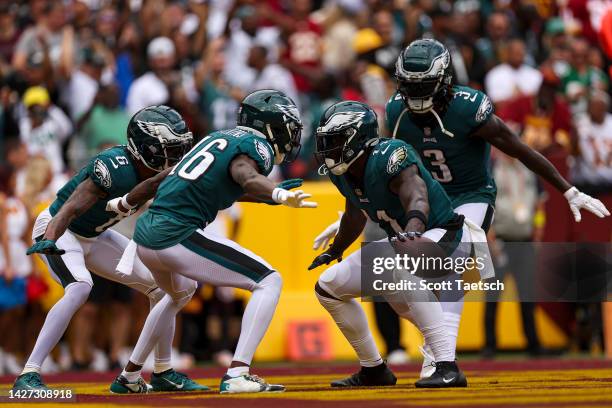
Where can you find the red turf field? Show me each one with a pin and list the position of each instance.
(541, 383)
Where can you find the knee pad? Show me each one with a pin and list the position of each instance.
(155, 296)
(273, 283)
(326, 299)
(184, 296)
(78, 292)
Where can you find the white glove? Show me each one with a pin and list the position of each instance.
(328, 233)
(578, 200)
(293, 199)
(113, 206)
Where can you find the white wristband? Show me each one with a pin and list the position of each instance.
(275, 194)
(125, 203)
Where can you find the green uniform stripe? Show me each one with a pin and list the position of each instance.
(226, 256)
(488, 219)
(59, 268)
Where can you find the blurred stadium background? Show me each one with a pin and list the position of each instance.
(72, 72)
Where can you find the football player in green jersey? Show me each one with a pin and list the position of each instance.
(385, 180)
(171, 237)
(452, 128)
(73, 236)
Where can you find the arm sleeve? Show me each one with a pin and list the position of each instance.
(258, 150)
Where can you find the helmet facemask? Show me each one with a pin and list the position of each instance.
(336, 149)
(419, 95)
(285, 139)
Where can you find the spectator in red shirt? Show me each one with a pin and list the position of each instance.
(303, 42)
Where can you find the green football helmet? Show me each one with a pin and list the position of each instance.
(158, 137)
(276, 117)
(424, 73)
(346, 129)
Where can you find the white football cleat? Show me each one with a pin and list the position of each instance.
(397, 357)
(429, 363)
(247, 383)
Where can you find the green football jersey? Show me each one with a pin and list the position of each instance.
(460, 163)
(382, 206)
(199, 186)
(113, 172)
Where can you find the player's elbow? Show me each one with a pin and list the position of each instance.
(249, 183)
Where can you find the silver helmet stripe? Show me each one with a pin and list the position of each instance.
(438, 64)
(164, 134)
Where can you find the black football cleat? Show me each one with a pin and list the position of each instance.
(377, 376)
(447, 375)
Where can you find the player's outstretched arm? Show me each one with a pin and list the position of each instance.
(245, 172)
(499, 135)
(288, 184)
(351, 224)
(412, 192)
(82, 199)
(143, 192)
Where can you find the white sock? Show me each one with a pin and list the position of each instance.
(451, 324)
(163, 348)
(257, 316)
(56, 322)
(452, 307)
(161, 366)
(237, 371)
(27, 369)
(352, 322)
(132, 376)
(158, 324)
(429, 319)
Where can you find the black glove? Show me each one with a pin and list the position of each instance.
(325, 258)
(403, 236)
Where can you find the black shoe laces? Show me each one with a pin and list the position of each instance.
(255, 378)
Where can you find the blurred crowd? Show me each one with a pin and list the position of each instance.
(72, 72)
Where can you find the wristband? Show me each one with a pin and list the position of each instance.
(275, 193)
(416, 214)
(125, 203)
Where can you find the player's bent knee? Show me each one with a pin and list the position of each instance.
(78, 292)
(324, 296)
(273, 282)
(187, 294)
(155, 296)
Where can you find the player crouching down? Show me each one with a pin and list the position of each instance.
(384, 179)
(73, 238)
(172, 239)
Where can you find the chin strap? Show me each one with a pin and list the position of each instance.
(433, 111)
